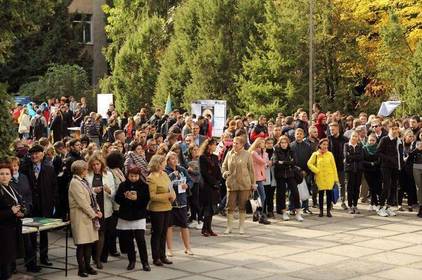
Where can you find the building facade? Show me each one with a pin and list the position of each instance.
(90, 20)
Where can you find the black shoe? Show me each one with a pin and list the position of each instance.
(157, 263)
(255, 217)
(146, 267)
(99, 265)
(321, 213)
(82, 274)
(46, 262)
(115, 254)
(91, 271)
(420, 212)
(33, 269)
(264, 221)
(130, 266)
(270, 215)
(329, 214)
(166, 261)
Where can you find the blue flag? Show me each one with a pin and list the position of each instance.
(168, 105)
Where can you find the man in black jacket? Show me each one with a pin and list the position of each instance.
(302, 152)
(390, 151)
(336, 143)
(42, 181)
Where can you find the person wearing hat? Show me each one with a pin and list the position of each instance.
(43, 184)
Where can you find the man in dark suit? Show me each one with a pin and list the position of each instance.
(197, 138)
(42, 180)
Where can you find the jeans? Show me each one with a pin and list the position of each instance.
(269, 199)
(375, 185)
(128, 237)
(353, 187)
(290, 183)
(407, 185)
(342, 188)
(261, 192)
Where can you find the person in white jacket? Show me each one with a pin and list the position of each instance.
(101, 180)
(24, 121)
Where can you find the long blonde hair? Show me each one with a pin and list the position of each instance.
(256, 144)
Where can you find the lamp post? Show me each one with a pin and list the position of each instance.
(311, 56)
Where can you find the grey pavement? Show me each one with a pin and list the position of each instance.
(355, 247)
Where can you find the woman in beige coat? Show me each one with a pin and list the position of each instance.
(240, 181)
(84, 215)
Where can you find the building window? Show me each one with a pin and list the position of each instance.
(82, 26)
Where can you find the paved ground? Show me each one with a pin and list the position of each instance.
(344, 247)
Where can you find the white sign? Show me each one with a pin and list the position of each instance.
(103, 102)
(216, 108)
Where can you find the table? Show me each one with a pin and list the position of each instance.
(42, 224)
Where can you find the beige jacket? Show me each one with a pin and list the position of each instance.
(81, 213)
(238, 171)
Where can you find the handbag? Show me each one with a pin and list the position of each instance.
(303, 191)
(336, 193)
(297, 174)
(255, 202)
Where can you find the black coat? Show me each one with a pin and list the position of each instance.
(284, 163)
(132, 210)
(336, 146)
(10, 228)
(391, 155)
(44, 189)
(370, 163)
(353, 157)
(24, 190)
(209, 195)
(59, 128)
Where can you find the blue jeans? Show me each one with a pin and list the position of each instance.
(261, 191)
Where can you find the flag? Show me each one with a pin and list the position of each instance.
(388, 107)
(168, 105)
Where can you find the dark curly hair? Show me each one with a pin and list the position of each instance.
(115, 159)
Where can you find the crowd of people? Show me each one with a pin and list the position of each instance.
(122, 172)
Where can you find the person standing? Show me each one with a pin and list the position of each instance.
(336, 143)
(238, 171)
(43, 183)
(323, 165)
(353, 158)
(260, 163)
(209, 194)
(284, 164)
(11, 212)
(415, 157)
(390, 151)
(181, 183)
(84, 215)
(133, 197)
(101, 181)
(161, 197)
(372, 172)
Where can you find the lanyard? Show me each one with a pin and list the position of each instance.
(11, 194)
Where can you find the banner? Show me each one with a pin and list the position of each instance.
(388, 107)
(217, 110)
(103, 102)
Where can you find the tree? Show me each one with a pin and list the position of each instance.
(53, 43)
(412, 98)
(60, 80)
(394, 64)
(137, 66)
(8, 132)
(19, 18)
(272, 77)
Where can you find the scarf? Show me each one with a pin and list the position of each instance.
(371, 149)
(140, 162)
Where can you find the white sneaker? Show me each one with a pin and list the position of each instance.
(285, 216)
(390, 212)
(382, 212)
(192, 224)
(299, 217)
(199, 225)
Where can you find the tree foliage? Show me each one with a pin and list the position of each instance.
(413, 97)
(59, 80)
(53, 42)
(8, 132)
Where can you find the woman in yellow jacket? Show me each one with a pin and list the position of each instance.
(322, 164)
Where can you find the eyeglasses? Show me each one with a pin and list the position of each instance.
(375, 126)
